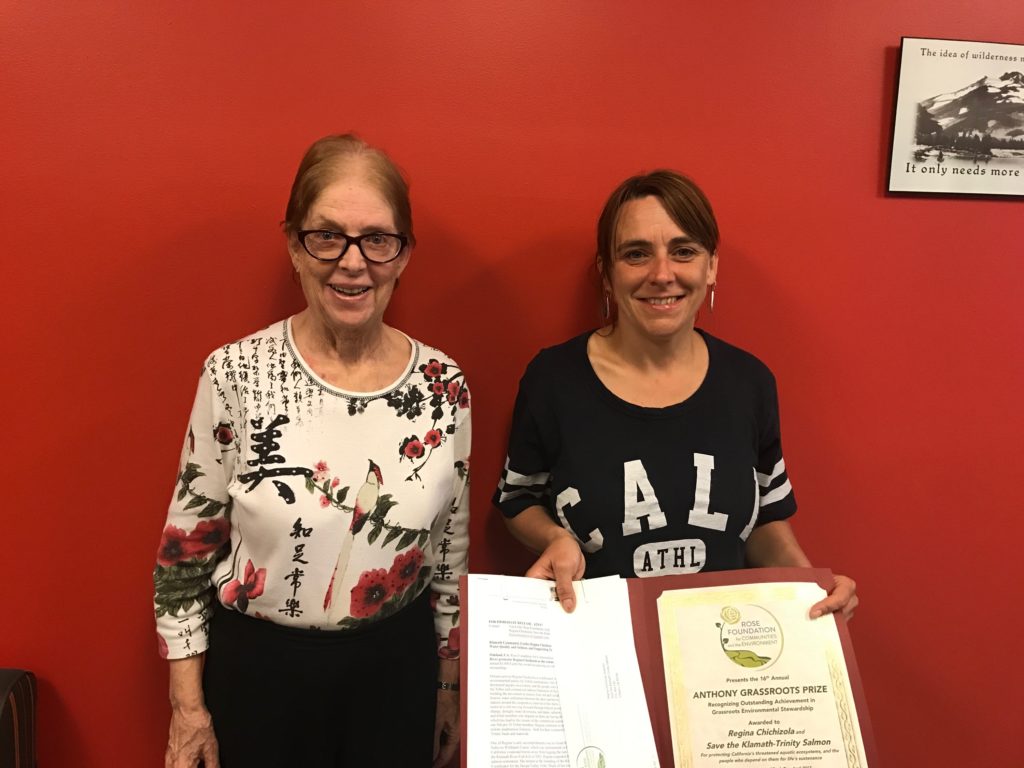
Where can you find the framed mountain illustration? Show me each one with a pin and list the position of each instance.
(959, 124)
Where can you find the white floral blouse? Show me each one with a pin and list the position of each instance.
(309, 506)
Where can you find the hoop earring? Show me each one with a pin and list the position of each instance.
(712, 305)
(607, 308)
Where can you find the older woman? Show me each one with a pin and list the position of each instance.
(649, 447)
(306, 579)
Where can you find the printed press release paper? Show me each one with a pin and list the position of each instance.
(550, 689)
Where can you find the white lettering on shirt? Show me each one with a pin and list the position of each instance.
(665, 558)
(639, 500)
(699, 515)
(566, 499)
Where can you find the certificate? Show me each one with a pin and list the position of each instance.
(751, 679)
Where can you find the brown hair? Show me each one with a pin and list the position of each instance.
(320, 166)
(681, 198)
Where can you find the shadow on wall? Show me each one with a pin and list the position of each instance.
(58, 722)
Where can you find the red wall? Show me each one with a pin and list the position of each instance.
(147, 150)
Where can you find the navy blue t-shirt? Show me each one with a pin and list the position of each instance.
(648, 491)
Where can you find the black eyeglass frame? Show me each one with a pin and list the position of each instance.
(350, 240)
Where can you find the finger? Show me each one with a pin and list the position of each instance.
(830, 604)
(440, 726)
(211, 755)
(837, 601)
(446, 739)
(822, 608)
(850, 607)
(843, 592)
(450, 748)
(564, 589)
(447, 751)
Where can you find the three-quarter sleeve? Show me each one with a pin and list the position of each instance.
(525, 478)
(450, 537)
(196, 534)
(776, 499)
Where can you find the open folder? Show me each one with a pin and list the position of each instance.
(718, 669)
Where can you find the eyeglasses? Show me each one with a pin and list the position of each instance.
(327, 245)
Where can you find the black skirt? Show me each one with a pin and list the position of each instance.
(284, 697)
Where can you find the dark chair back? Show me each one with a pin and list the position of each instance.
(17, 719)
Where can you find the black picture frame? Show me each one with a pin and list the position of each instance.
(958, 126)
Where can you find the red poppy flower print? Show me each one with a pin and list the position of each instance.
(322, 472)
(207, 537)
(324, 501)
(433, 369)
(161, 647)
(224, 434)
(405, 569)
(369, 593)
(437, 388)
(453, 391)
(172, 546)
(464, 398)
(239, 593)
(432, 438)
(451, 650)
(411, 448)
